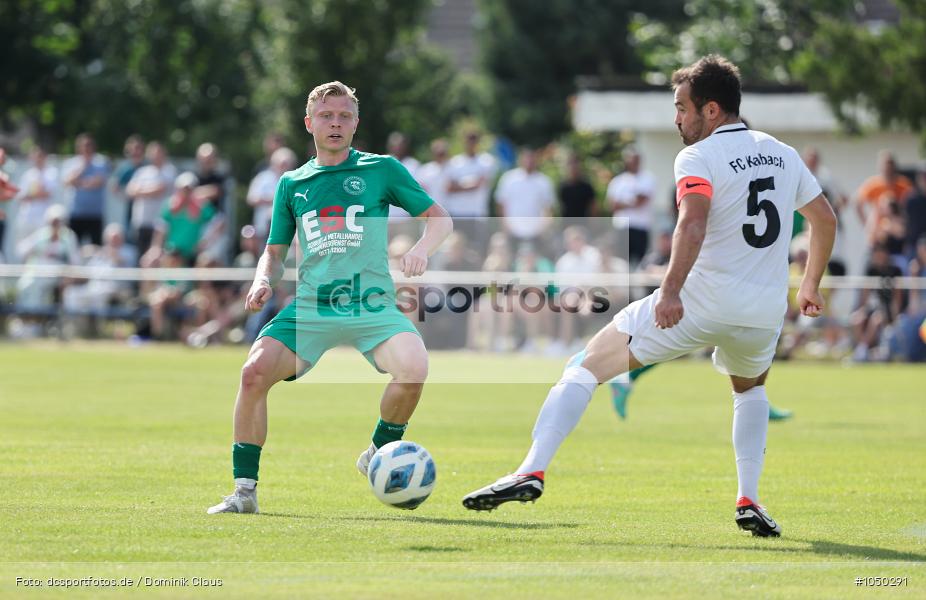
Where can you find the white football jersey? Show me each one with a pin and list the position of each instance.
(755, 184)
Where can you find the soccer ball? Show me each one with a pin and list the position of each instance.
(402, 474)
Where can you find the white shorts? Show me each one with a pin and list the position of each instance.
(738, 351)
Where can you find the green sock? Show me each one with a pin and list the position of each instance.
(387, 432)
(245, 460)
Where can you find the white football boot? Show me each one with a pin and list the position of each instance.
(242, 501)
(363, 462)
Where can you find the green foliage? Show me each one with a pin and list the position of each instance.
(376, 47)
(226, 71)
(761, 37)
(170, 70)
(532, 53)
(880, 70)
(816, 43)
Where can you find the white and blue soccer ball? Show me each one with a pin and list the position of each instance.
(402, 474)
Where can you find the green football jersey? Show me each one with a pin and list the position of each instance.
(340, 214)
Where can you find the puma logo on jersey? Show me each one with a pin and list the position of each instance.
(305, 196)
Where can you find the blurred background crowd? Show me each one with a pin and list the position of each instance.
(491, 105)
(544, 213)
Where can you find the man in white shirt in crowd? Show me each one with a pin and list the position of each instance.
(471, 175)
(433, 176)
(524, 199)
(37, 187)
(150, 187)
(580, 257)
(263, 187)
(630, 195)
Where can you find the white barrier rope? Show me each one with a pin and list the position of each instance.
(430, 278)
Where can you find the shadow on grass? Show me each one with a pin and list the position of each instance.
(436, 521)
(467, 522)
(433, 548)
(819, 547)
(828, 548)
(288, 516)
(833, 549)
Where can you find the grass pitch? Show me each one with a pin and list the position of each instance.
(111, 455)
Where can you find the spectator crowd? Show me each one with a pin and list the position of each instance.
(543, 215)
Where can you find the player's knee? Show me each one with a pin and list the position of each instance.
(579, 375)
(255, 375)
(762, 378)
(412, 371)
(741, 385)
(597, 362)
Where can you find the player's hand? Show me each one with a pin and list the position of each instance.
(258, 296)
(669, 310)
(414, 263)
(810, 301)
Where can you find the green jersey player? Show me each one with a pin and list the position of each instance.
(336, 205)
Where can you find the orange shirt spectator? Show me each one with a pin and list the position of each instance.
(887, 182)
(873, 188)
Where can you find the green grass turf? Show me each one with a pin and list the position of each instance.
(110, 455)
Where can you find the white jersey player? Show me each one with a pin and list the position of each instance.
(726, 285)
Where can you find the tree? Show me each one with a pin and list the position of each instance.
(820, 44)
(761, 38)
(170, 70)
(533, 52)
(377, 47)
(882, 70)
(188, 71)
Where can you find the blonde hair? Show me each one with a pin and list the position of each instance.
(332, 88)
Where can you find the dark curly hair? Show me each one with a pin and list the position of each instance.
(713, 78)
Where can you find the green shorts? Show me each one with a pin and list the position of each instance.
(312, 334)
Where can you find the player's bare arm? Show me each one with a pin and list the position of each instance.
(269, 272)
(686, 244)
(822, 220)
(438, 225)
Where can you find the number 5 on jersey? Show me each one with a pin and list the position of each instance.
(754, 206)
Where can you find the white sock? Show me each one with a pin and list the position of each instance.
(244, 482)
(750, 427)
(560, 414)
